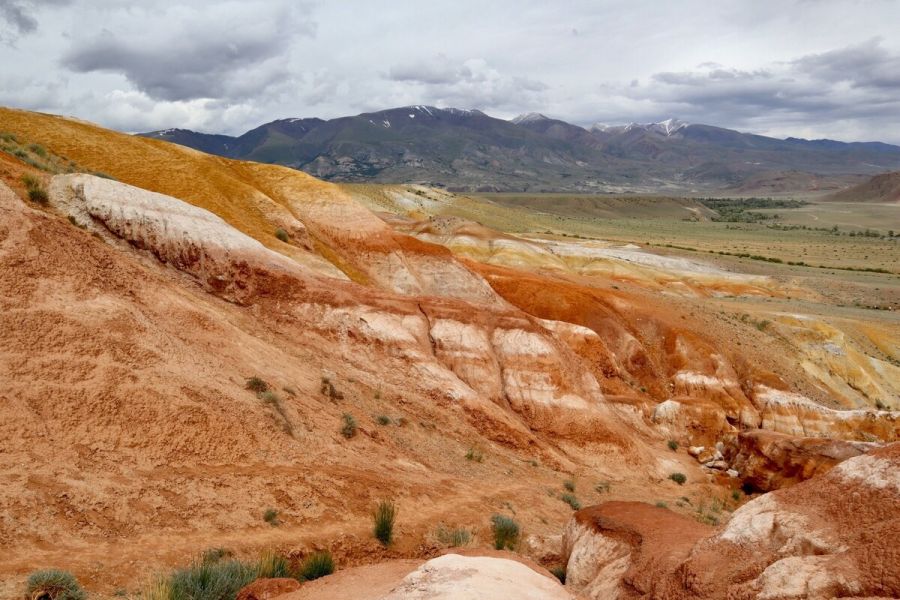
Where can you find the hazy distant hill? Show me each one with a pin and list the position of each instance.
(467, 149)
(880, 188)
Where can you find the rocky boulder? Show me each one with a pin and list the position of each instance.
(834, 535)
(767, 460)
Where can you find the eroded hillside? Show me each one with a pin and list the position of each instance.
(136, 307)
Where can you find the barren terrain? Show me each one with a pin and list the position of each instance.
(488, 353)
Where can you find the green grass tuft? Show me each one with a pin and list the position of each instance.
(282, 235)
(456, 537)
(348, 426)
(271, 517)
(506, 532)
(679, 478)
(316, 565)
(673, 445)
(384, 516)
(255, 384)
(571, 500)
(53, 584)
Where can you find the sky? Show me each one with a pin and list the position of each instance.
(804, 68)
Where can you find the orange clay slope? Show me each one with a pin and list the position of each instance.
(130, 322)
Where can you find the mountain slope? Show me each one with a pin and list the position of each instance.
(880, 188)
(467, 149)
(133, 311)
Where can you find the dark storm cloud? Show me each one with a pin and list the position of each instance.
(202, 57)
(854, 82)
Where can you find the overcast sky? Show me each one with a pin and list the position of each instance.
(809, 68)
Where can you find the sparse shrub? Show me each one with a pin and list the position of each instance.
(282, 235)
(53, 584)
(571, 500)
(349, 426)
(506, 532)
(75, 222)
(569, 485)
(474, 454)
(736, 495)
(36, 191)
(329, 390)
(316, 565)
(679, 478)
(603, 487)
(270, 397)
(255, 384)
(384, 516)
(38, 196)
(559, 573)
(661, 504)
(271, 517)
(204, 581)
(272, 565)
(383, 420)
(673, 445)
(455, 537)
(38, 150)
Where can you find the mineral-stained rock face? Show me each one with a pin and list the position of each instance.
(831, 536)
(621, 549)
(767, 460)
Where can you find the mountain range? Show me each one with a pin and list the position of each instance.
(469, 150)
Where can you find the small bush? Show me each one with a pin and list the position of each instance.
(571, 500)
(270, 397)
(569, 485)
(383, 420)
(329, 390)
(735, 495)
(317, 564)
(506, 532)
(205, 581)
(282, 235)
(603, 486)
(454, 538)
(475, 455)
(272, 565)
(255, 384)
(679, 478)
(673, 445)
(661, 504)
(38, 196)
(559, 573)
(349, 426)
(384, 516)
(271, 517)
(38, 149)
(53, 584)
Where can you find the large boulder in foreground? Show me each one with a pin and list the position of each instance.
(451, 576)
(834, 535)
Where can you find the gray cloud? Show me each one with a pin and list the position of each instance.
(202, 56)
(17, 17)
(468, 83)
(770, 66)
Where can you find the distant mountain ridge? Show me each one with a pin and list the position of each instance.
(469, 150)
